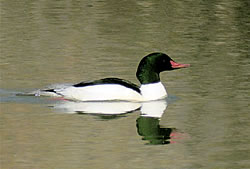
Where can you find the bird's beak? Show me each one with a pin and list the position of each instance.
(178, 65)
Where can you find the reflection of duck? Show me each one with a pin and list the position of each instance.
(118, 89)
(101, 108)
(148, 123)
(154, 108)
(151, 108)
(150, 129)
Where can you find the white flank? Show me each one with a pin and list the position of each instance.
(153, 91)
(100, 92)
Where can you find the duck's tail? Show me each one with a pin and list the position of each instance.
(49, 92)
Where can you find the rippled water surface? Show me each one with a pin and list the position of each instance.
(203, 124)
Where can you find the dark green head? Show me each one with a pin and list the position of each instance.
(151, 65)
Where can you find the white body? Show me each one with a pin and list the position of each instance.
(100, 92)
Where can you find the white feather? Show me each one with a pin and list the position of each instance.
(100, 92)
(153, 91)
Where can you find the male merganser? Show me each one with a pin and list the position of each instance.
(118, 89)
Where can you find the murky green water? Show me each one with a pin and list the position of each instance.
(206, 121)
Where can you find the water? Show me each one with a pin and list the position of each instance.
(205, 123)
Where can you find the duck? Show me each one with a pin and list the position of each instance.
(116, 89)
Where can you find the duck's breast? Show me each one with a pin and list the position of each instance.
(153, 91)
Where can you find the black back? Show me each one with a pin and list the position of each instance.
(110, 81)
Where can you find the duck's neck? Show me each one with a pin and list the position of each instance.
(151, 87)
(147, 76)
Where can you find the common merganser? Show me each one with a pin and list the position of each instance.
(108, 89)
